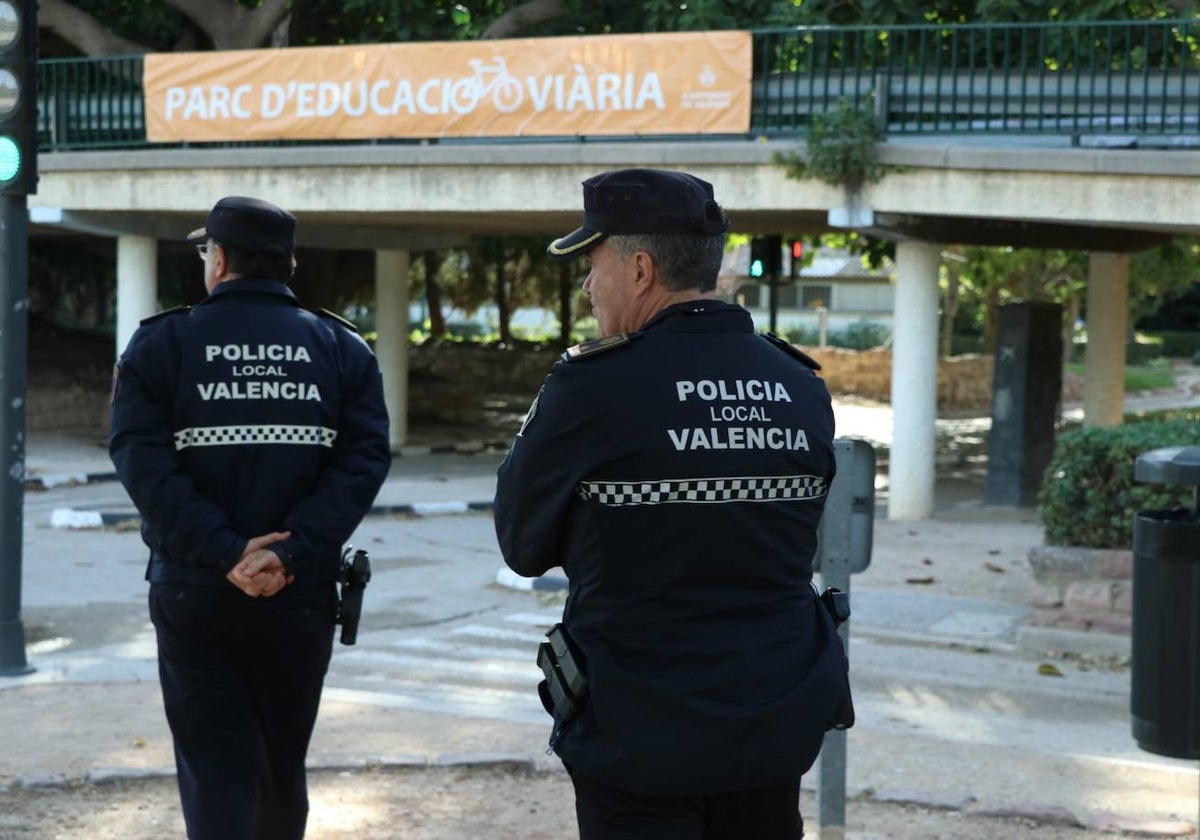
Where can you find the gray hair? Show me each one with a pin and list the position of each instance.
(684, 260)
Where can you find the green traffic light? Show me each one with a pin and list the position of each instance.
(10, 159)
(756, 266)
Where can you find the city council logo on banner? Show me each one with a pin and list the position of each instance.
(675, 83)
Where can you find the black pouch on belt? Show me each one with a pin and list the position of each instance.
(564, 688)
(837, 603)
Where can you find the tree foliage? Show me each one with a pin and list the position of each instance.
(886, 13)
(97, 27)
(842, 148)
(105, 27)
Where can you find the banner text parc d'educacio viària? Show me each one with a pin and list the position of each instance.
(677, 83)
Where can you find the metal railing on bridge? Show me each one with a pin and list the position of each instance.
(1103, 79)
(1076, 78)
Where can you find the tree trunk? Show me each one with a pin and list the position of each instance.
(527, 14)
(991, 320)
(949, 313)
(83, 31)
(566, 295)
(232, 26)
(433, 294)
(1068, 331)
(501, 295)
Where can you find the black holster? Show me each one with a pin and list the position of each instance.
(837, 604)
(354, 576)
(564, 688)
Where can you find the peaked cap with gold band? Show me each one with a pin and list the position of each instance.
(641, 201)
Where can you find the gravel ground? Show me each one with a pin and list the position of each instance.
(497, 803)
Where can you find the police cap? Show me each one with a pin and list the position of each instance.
(250, 225)
(641, 201)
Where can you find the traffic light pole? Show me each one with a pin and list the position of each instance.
(14, 333)
(773, 300)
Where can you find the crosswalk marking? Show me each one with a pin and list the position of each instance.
(499, 633)
(539, 619)
(472, 670)
(470, 651)
(437, 666)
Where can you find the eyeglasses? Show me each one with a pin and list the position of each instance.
(202, 250)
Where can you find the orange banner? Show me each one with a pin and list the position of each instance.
(676, 83)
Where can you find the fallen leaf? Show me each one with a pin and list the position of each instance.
(1048, 670)
(992, 567)
(139, 742)
(921, 580)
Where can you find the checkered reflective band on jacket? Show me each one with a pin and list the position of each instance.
(704, 490)
(232, 435)
(248, 414)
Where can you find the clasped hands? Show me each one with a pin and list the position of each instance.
(259, 572)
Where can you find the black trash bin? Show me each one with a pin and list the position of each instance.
(1165, 691)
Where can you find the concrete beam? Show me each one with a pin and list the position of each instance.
(951, 230)
(310, 233)
(528, 188)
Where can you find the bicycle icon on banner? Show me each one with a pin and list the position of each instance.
(489, 80)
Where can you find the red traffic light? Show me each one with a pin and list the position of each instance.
(797, 249)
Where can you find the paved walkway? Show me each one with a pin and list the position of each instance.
(956, 582)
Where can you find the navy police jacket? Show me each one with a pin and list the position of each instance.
(678, 475)
(243, 415)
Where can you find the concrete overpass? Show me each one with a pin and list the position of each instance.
(1024, 191)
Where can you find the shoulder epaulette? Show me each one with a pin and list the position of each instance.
(345, 322)
(174, 310)
(597, 345)
(793, 351)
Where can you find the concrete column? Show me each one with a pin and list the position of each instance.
(914, 381)
(391, 345)
(1107, 321)
(137, 284)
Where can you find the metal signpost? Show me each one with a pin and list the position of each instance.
(844, 547)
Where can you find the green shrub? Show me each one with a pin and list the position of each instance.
(861, 335)
(804, 336)
(1137, 353)
(962, 344)
(1182, 343)
(1088, 495)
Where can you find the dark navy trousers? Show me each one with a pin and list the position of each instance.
(241, 682)
(606, 813)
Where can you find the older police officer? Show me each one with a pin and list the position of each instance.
(677, 469)
(251, 433)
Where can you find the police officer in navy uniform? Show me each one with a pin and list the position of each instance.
(676, 468)
(252, 435)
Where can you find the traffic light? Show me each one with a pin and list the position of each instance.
(18, 97)
(757, 269)
(766, 257)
